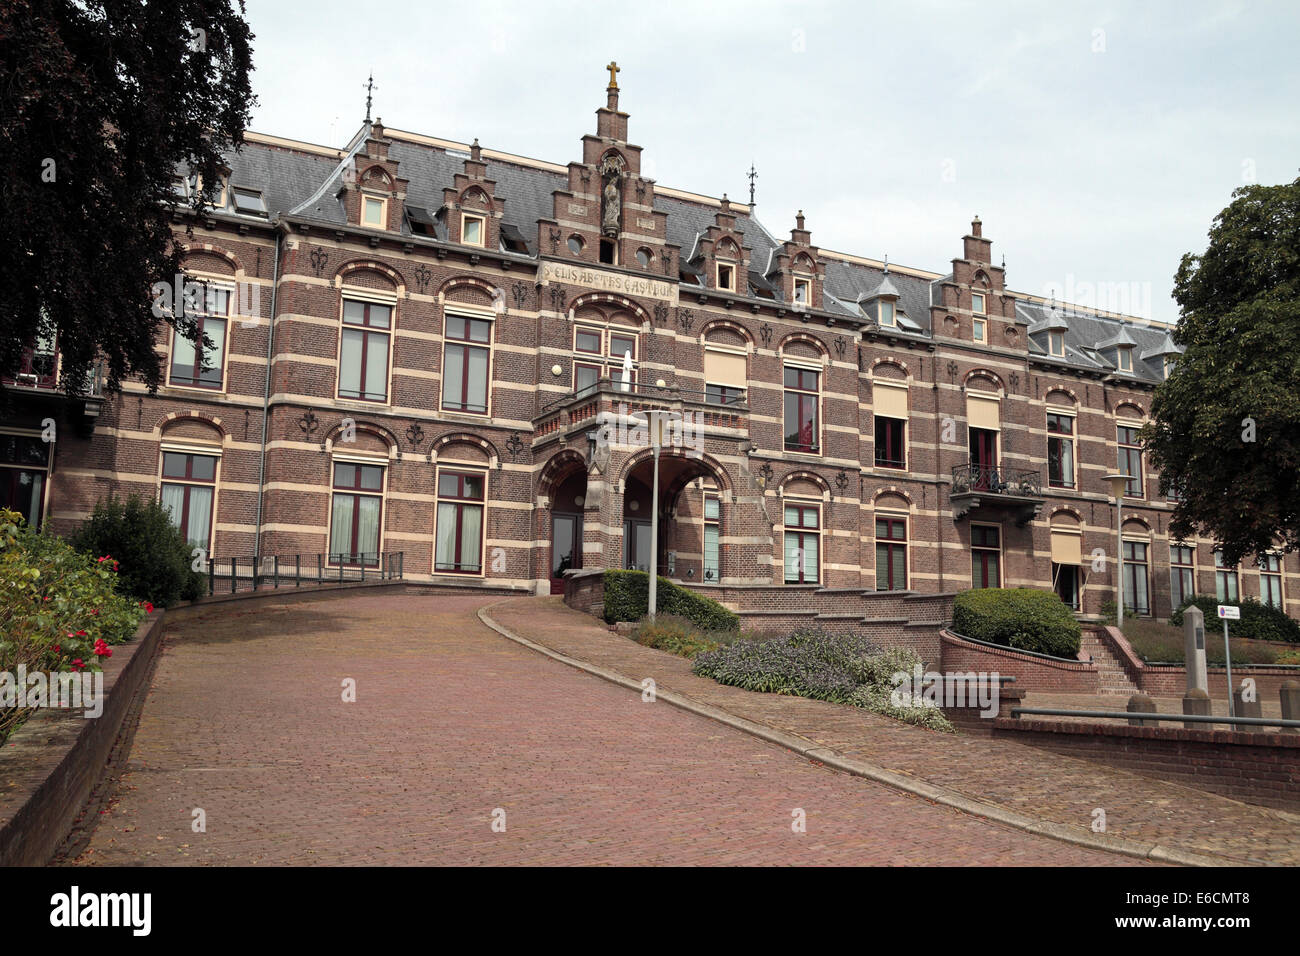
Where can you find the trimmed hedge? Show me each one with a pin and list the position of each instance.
(1260, 622)
(627, 598)
(154, 555)
(1024, 618)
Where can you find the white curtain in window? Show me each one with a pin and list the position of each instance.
(200, 516)
(341, 525)
(182, 352)
(445, 558)
(710, 553)
(173, 499)
(377, 367)
(478, 371)
(350, 364)
(792, 562)
(471, 529)
(368, 527)
(216, 331)
(453, 376)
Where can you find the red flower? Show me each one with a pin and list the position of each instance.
(77, 664)
(148, 606)
(81, 634)
(56, 648)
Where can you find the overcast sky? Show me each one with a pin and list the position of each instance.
(1096, 141)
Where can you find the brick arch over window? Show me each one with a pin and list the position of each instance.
(726, 332)
(1063, 396)
(368, 274)
(172, 421)
(475, 196)
(1066, 517)
(223, 261)
(805, 346)
(1129, 409)
(1136, 526)
(468, 290)
(370, 438)
(608, 305)
(981, 279)
(890, 370)
(804, 479)
(448, 444)
(558, 468)
(728, 249)
(377, 174)
(983, 380)
(892, 499)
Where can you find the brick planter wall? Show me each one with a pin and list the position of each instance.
(1031, 673)
(1171, 680)
(1259, 768)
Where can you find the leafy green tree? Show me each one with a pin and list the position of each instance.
(103, 101)
(1225, 432)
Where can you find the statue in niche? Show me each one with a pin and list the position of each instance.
(611, 179)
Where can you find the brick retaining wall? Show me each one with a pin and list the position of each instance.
(1031, 673)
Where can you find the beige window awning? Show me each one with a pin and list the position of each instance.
(724, 368)
(889, 400)
(982, 412)
(1067, 548)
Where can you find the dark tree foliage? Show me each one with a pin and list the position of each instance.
(100, 102)
(1226, 424)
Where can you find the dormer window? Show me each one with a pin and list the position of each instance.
(248, 202)
(980, 331)
(187, 187)
(1056, 344)
(473, 230)
(977, 303)
(803, 291)
(374, 212)
(1170, 362)
(887, 316)
(726, 277)
(1124, 358)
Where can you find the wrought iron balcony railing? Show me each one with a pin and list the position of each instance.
(992, 480)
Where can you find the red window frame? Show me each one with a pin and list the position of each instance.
(192, 377)
(802, 532)
(356, 489)
(1182, 569)
(806, 400)
(188, 480)
(893, 542)
(466, 343)
(461, 500)
(985, 554)
(1058, 435)
(1130, 459)
(891, 440)
(373, 335)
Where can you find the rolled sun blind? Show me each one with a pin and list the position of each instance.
(724, 368)
(982, 412)
(1067, 548)
(890, 400)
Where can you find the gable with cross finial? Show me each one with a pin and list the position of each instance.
(613, 74)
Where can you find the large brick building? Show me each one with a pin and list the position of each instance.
(414, 345)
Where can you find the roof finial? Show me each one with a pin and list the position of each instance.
(475, 152)
(886, 263)
(613, 74)
(752, 174)
(370, 89)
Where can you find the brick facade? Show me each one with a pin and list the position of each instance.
(536, 252)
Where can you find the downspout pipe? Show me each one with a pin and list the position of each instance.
(266, 389)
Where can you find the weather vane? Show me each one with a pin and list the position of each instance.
(370, 89)
(752, 174)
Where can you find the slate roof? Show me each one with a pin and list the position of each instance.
(306, 183)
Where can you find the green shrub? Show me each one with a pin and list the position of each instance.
(627, 598)
(673, 634)
(155, 558)
(1159, 642)
(841, 668)
(1259, 622)
(1023, 618)
(56, 604)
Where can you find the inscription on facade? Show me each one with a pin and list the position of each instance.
(578, 275)
(646, 224)
(576, 210)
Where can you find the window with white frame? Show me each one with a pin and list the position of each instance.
(802, 291)
(712, 559)
(1124, 358)
(980, 331)
(1182, 573)
(1137, 597)
(1056, 343)
(201, 363)
(977, 303)
(458, 537)
(363, 350)
(886, 315)
(473, 230)
(1270, 580)
(1130, 458)
(725, 374)
(189, 492)
(374, 212)
(466, 364)
(1225, 580)
(601, 352)
(727, 276)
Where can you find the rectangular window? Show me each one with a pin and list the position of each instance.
(980, 331)
(1270, 580)
(24, 464)
(802, 543)
(712, 535)
(1060, 450)
(726, 277)
(802, 294)
(472, 230)
(891, 554)
(363, 352)
(1225, 581)
(356, 511)
(801, 399)
(1125, 360)
(1056, 343)
(1066, 577)
(986, 556)
(585, 377)
(977, 303)
(372, 212)
(588, 340)
(725, 374)
(189, 487)
(1182, 573)
(891, 446)
(200, 365)
(620, 345)
(248, 201)
(887, 313)
(1136, 596)
(465, 364)
(459, 545)
(1130, 460)
(723, 395)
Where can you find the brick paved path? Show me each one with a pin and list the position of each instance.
(245, 720)
(1027, 780)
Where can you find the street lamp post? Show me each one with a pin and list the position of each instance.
(1118, 483)
(656, 440)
